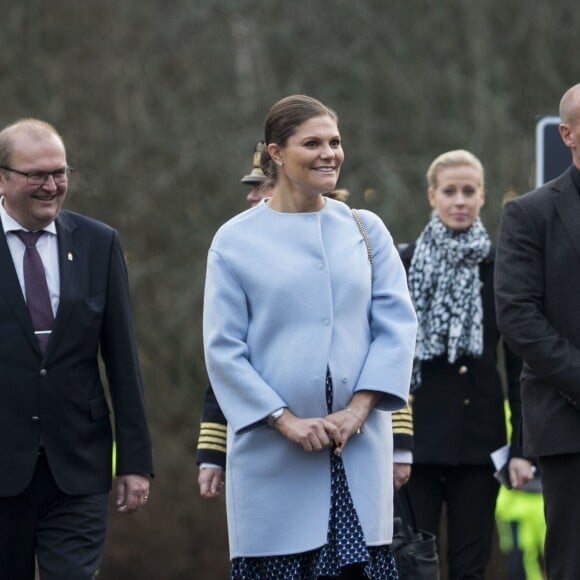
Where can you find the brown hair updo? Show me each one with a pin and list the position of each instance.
(282, 120)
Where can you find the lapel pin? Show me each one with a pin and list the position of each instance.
(69, 257)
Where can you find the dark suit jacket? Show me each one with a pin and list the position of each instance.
(458, 411)
(538, 307)
(59, 397)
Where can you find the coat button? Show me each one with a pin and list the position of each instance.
(344, 379)
(43, 372)
(462, 370)
(35, 419)
(467, 402)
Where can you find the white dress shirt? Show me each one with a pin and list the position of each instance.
(47, 247)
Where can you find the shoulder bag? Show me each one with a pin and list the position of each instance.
(415, 550)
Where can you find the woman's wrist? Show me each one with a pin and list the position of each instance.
(273, 417)
(363, 402)
(359, 419)
(281, 423)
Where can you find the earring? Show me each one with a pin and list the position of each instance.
(279, 163)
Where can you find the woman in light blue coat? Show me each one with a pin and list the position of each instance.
(309, 344)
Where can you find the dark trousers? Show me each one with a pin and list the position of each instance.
(560, 478)
(65, 533)
(469, 493)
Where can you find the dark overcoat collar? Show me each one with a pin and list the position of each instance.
(567, 202)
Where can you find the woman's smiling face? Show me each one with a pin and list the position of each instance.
(312, 157)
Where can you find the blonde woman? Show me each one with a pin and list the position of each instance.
(458, 404)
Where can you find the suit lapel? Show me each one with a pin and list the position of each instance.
(567, 202)
(11, 292)
(68, 263)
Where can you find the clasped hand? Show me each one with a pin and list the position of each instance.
(317, 433)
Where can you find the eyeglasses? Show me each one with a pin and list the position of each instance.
(39, 178)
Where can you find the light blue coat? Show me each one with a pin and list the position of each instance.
(288, 295)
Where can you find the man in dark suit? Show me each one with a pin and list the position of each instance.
(538, 297)
(55, 431)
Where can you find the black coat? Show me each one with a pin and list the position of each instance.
(458, 411)
(538, 297)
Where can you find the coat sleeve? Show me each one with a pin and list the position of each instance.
(225, 324)
(119, 352)
(393, 321)
(211, 444)
(513, 369)
(403, 428)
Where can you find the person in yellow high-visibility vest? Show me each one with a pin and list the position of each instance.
(522, 529)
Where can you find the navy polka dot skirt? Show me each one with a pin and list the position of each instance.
(346, 544)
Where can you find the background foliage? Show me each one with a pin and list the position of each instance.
(160, 103)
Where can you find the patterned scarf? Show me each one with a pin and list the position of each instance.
(445, 288)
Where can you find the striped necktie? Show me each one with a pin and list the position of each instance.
(36, 288)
